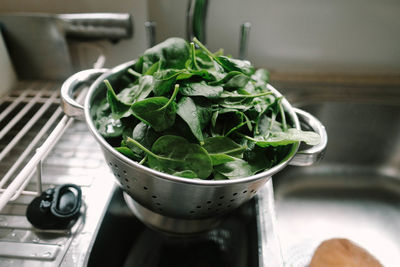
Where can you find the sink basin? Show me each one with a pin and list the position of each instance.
(123, 240)
(354, 192)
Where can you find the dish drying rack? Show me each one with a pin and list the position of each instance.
(28, 107)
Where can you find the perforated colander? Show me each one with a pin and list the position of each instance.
(158, 197)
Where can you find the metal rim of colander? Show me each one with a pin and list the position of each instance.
(87, 105)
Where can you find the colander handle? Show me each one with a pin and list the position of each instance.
(310, 155)
(70, 106)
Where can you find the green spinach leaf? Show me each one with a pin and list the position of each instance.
(118, 108)
(174, 154)
(158, 112)
(223, 149)
(201, 89)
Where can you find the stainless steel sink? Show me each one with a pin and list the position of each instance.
(245, 238)
(124, 241)
(354, 192)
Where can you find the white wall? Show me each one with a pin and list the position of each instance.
(287, 35)
(299, 35)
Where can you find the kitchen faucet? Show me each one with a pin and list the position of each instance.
(196, 14)
(196, 20)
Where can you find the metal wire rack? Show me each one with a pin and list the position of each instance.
(31, 122)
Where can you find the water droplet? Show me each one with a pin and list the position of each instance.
(13, 234)
(110, 129)
(35, 240)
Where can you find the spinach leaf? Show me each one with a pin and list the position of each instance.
(143, 134)
(261, 76)
(173, 53)
(153, 68)
(174, 154)
(118, 108)
(109, 127)
(238, 168)
(164, 81)
(291, 136)
(187, 110)
(128, 95)
(186, 174)
(233, 79)
(228, 121)
(238, 95)
(146, 85)
(223, 149)
(158, 112)
(229, 64)
(201, 89)
(203, 60)
(127, 152)
(219, 176)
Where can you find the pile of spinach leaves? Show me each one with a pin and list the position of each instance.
(192, 113)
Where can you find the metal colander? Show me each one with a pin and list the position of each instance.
(160, 199)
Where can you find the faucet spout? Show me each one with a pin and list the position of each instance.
(196, 20)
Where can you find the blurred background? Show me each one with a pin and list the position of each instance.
(289, 36)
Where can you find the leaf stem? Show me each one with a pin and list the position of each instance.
(282, 112)
(247, 137)
(143, 160)
(193, 57)
(134, 73)
(208, 52)
(231, 151)
(110, 88)
(176, 90)
(235, 128)
(130, 141)
(247, 96)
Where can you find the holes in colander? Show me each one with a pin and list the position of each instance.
(126, 180)
(199, 207)
(118, 175)
(209, 202)
(219, 204)
(234, 194)
(244, 192)
(221, 197)
(153, 196)
(145, 188)
(127, 186)
(192, 212)
(233, 199)
(116, 166)
(125, 172)
(110, 164)
(158, 203)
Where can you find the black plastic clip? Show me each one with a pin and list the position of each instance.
(56, 208)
